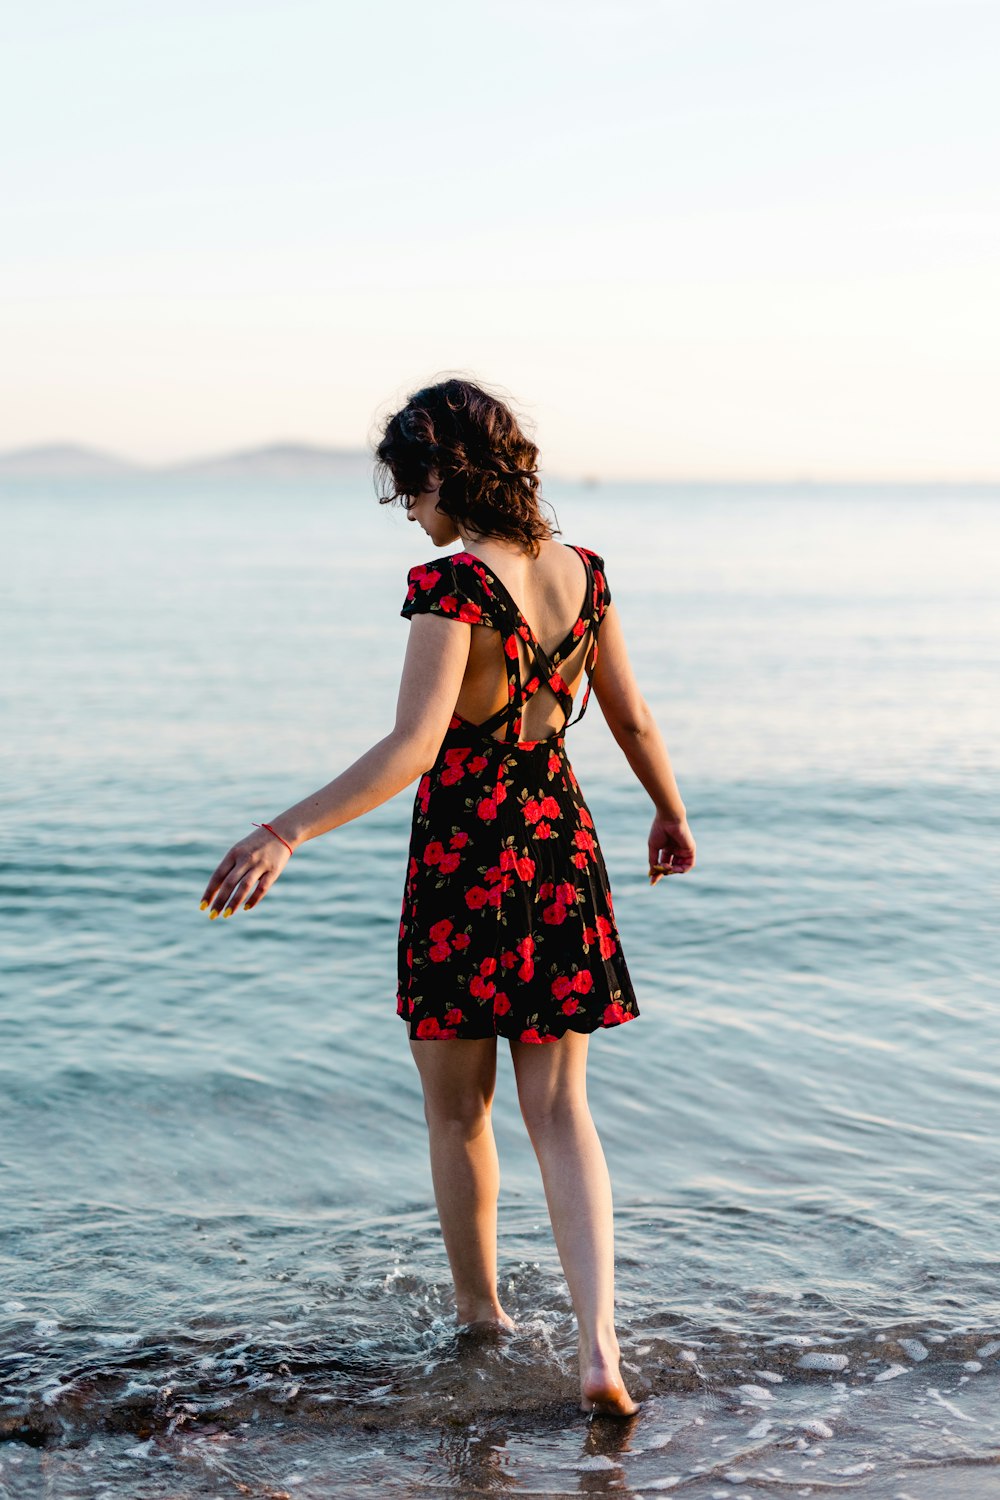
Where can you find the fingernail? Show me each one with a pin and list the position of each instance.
(212, 916)
(203, 906)
(228, 911)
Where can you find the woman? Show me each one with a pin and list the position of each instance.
(507, 925)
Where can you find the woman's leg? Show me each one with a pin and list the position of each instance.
(459, 1079)
(552, 1090)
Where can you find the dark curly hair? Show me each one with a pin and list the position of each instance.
(487, 467)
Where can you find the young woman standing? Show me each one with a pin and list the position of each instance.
(507, 926)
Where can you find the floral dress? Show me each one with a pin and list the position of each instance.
(507, 926)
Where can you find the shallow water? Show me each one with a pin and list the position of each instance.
(220, 1264)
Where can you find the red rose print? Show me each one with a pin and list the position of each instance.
(550, 807)
(603, 926)
(583, 840)
(525, 867)
(543, 831)
(461, 940)
(488, 966)
(589, 935)
(508, 859)
(554, 914)
(451, 774)
(441, 930)
(561, 987)
(487, 809)
(470, 613)
(527, 970)
(448, 863)
(531, 1035)
(476, 897)
(439, 952)
(458, 840)
(570, 1005)
(482, 989)
(546, 890)
(449, 603)
(553, 762)
(510, 646)
(566, 893)
(607, 947)
(579, 628)
(583, 982)
(476, 764)
(556, 684)
(454, 1017)
(433, 852)
(580, 860)
(526, 946)
(508, 960)
(501, 1003)
(429, 1026)
(532, 810)
(456, 756)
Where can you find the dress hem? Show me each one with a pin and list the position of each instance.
(509, 1036)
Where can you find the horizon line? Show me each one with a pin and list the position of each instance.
(307, 449)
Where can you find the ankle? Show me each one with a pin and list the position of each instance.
(600, 1351)
(478, 1310)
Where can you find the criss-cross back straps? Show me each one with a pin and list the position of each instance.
(543, 668)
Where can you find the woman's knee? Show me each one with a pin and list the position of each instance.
(552, 1109)
(464, 1112)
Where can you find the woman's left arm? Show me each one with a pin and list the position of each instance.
(433, 669)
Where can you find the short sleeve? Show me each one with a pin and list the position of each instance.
(444, 588)
(602, 592)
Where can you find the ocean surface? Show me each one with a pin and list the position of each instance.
(221, 1271)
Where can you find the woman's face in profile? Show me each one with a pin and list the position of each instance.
(423, 509)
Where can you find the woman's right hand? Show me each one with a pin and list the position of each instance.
(671, 848)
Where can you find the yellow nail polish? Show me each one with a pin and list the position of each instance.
(212, 916)
(228, 911)
(203, 906)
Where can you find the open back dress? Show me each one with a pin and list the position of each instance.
(507, 926)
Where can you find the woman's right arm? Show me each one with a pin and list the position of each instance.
(631, 721)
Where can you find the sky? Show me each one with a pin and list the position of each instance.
(687, 239)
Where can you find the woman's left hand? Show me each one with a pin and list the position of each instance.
(245, 874)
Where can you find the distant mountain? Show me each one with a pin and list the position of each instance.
(282, 461)
(272, 461)
(53, 460)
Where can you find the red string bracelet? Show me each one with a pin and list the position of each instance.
(276, 834)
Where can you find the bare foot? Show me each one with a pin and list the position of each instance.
(488, 1318)
(603, 1393)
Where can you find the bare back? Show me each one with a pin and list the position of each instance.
(550, 594)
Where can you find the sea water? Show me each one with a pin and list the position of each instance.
(220, 1265)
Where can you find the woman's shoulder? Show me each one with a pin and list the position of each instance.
(602, 592)
(456, 584)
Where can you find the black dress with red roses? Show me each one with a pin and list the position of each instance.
(507, 924)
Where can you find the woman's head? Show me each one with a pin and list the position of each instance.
(460, 444)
